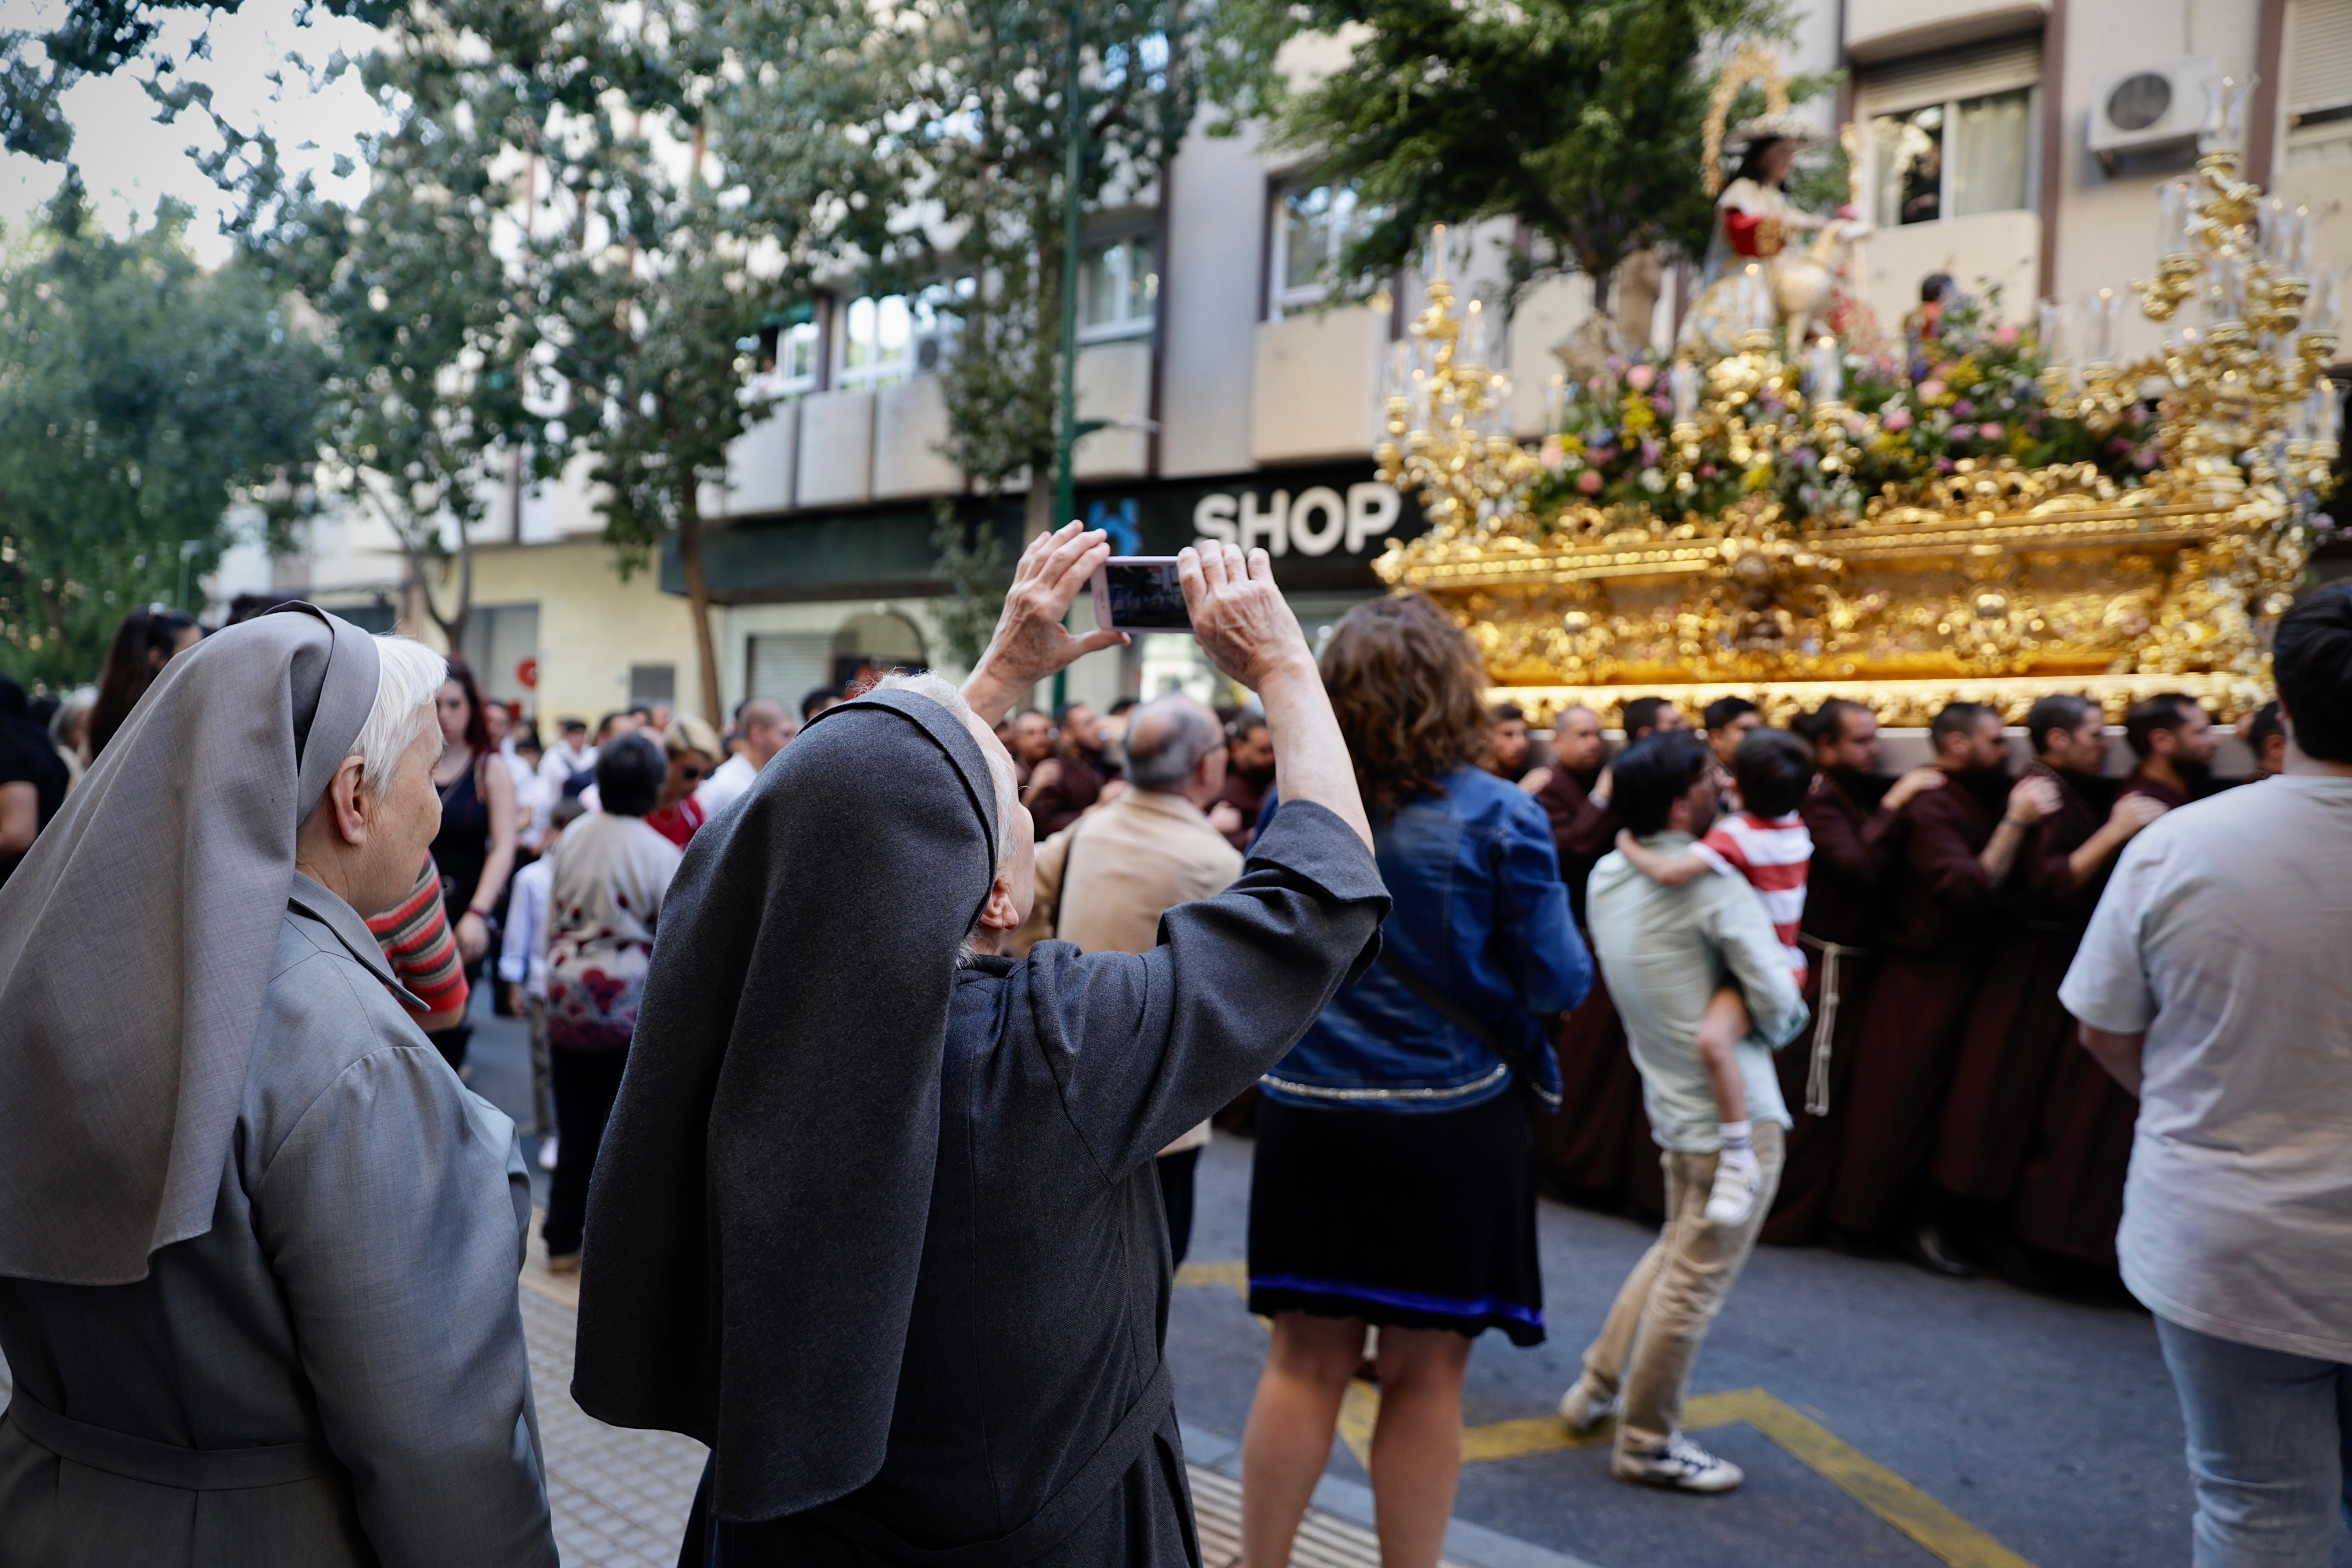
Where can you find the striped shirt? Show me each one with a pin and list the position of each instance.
(1773, 853)
(423, 951)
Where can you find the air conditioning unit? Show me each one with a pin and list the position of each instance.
(2150, 108)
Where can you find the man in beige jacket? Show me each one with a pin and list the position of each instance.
(1104, 880)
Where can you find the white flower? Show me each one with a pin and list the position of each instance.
(1653, 480)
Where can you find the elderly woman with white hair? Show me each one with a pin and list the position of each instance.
(258, 1244)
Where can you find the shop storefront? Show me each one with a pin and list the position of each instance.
(812, 598)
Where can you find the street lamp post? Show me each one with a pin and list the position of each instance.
(1066, 423)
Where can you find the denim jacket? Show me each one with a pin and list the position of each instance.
(1482, 916)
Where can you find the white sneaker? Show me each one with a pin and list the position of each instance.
(1733, 1198)
(1583, 1410)
(1679, 1465)
(547, 1154)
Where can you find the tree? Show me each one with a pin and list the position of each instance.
(642, 306)
(425, 303)
(1581, 119)
(140, 398)
(914, 143)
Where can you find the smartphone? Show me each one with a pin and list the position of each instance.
(1140, 593)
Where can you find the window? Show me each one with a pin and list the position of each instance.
(1118, 288)
(501, 647)
(2318, 83)
(1313, 223)
(1955, 158)
(887, 339)
(652, 684)
(787, 355)
(787, 666)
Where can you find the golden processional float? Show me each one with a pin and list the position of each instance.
(1790, 507)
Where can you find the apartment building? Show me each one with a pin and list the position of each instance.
(2015, 143)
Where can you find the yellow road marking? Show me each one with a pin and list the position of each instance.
(1952, 1540)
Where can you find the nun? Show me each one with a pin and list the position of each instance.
(258, 1245)
(875, 1216)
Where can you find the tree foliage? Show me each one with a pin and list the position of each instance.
(1580, 119)
(140, 398)
(919, 142)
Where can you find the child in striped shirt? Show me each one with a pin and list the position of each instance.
(1767, 845)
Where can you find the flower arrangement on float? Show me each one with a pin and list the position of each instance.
(1850, 427)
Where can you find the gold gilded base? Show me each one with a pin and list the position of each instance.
(2001, 585)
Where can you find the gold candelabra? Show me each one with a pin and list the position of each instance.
(1447, 415)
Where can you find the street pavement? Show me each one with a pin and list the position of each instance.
(1883, 1416)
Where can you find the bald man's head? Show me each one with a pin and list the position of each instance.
(766, 726)
(1168, 740)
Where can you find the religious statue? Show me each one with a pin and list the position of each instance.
(1756, 277)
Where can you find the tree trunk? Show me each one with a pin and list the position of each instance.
(697, 602)
(1038, 507)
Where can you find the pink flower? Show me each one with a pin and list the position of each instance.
(2004, 334)
(1964, 409)
(1662, 404)
(1944, 464)
(1707, 470)
(1930, 390)
(1589, 482)
(1989, 431)
(1642, 378)
(1553, 454)
(1896, 419)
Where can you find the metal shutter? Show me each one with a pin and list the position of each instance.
(2319, 56)
(1999, 66)
(787, 666)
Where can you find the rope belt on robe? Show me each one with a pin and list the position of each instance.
(1817, 1079)
(167, 1464)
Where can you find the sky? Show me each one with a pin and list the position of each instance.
(128, 161)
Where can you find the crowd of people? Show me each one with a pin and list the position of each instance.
(883, 1039)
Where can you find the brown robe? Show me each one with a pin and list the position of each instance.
(1851, 835)
(2070, 1197)
(1078, 785)
(1246, 796)
(1597, 1145)
(2017, 1029)
(1938, 904)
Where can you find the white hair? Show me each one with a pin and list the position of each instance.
(999, 765)
(408, 681)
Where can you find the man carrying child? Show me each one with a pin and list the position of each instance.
(1708, 990)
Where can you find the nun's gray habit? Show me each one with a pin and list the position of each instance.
(885, 1232)
(258, 1244)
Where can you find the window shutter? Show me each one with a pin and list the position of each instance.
(788, 665)
(2319, 56)
(1999, 66)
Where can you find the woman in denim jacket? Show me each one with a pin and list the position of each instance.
(1393, 1183)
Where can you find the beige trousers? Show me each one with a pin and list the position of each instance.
(1673, 1294)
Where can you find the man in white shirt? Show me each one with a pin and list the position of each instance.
(569, 757)
(765, 728)
(2213, 985)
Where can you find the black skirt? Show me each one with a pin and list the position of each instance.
(1422, 1219)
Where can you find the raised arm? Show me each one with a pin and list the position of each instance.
(1031, 642)
(1248, 632)
(1670, 870)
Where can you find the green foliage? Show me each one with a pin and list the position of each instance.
(1581, 119)
(915, 142)
(141, 397)
(971, 561)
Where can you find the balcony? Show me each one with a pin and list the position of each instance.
(911, 425)
(1885, 29)
(2004, 247)
(836, 450)
(1115, 386)
(1318, 383)
(758, 467)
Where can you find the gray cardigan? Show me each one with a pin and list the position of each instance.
(335, 1373)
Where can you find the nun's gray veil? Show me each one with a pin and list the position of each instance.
(136, 940)
(756, 1220)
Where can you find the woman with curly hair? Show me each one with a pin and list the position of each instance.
(1393, 1185)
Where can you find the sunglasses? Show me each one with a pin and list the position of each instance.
(690, 771)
